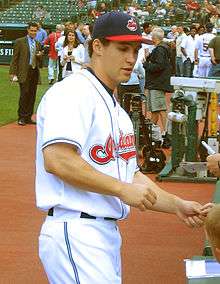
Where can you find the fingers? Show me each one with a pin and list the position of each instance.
(148, 201)
(151, 196)
(194, 221)
(206, 208)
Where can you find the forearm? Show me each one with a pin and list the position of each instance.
(166, 202)
(196, 55)
(184, 51)
(72, 169)
(211, 51)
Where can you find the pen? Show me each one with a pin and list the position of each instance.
(208, 148)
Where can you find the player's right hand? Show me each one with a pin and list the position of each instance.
(139, 196)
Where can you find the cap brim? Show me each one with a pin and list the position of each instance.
(137, 38)
(125, 38)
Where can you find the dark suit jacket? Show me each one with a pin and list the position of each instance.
(21, 57)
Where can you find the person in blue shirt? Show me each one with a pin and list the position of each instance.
(41, 34)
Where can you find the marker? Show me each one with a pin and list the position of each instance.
(208, 148)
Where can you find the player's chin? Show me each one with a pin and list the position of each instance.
(124, 78)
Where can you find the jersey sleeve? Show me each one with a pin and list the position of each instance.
(66, 115)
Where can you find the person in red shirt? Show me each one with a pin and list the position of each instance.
(52, 54)
(192, 7)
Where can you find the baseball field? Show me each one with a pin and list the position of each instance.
(154, 244)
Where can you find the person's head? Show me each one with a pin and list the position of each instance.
(32, 29)
(174, 29)
(212, 228)
(85, 30)
(180, 29)
(147, 27)
(209, 27)
(66, 24)
(70, 26)
(157, 35)
(71, 39)
(193, 31)
(201, 30)
(116, 39)
(103, 6)
(59, 28)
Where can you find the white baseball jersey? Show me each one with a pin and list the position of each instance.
(82, 113)
(189, 44)
(203, 43)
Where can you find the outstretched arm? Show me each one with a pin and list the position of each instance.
(188, 211)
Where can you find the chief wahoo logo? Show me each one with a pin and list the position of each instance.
(103, 154)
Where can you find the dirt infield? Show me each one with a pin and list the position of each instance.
(154, 244)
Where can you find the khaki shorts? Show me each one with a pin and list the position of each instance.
(156, 100)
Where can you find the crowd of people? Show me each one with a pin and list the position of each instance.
(166, 11)
(188, 52)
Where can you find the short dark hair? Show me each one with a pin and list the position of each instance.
(104, 41)
(146, 25)
(32, 24)
(193, 27)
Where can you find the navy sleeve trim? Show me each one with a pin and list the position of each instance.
(62, 140)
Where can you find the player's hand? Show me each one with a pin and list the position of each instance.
(206, 208)
(213, 163)
(213, 61)
(190, 212)
(139, 196)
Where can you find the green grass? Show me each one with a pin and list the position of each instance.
(9, 95)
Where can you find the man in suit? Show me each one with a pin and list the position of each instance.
(25, 69)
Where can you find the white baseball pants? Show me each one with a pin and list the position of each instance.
(204, 66)
(81, 251)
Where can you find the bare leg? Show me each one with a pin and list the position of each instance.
(163, 117)
(155, 116)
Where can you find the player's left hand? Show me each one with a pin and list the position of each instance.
(190, 212)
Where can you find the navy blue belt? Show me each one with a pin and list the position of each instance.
(82, 215)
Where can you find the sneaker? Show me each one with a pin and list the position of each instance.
(21, 121)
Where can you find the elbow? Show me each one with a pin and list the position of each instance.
(49, 166)
(50, 162)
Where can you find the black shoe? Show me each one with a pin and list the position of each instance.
(21, 121)
(30, 121)
(51, 82)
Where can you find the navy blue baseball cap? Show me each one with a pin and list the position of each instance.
(117, 26)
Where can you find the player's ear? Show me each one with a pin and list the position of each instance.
(97, 47)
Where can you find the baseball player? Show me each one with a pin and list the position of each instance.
(202, 55)
(86, 167)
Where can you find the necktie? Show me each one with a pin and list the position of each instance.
(32, 54)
